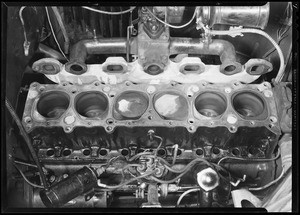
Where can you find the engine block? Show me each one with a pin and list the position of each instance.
(142, 106)
(206, 120)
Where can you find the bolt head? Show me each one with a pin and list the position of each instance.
(208, 179)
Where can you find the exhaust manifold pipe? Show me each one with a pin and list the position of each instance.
(222, 48)
(83, 48)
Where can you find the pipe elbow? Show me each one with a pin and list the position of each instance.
(227, 54)
(78, 55)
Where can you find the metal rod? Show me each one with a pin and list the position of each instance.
(223, 48)
(49, 52)
(25, 164)
(81, 49)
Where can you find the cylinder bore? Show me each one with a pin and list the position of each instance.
(248, 104)
(171, 106)
(131, 104)
(210, 104)
(53, 104)
(91, 104)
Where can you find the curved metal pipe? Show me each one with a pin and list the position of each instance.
(250, 16)
(222, 48)
(83, 48)
(49, 52)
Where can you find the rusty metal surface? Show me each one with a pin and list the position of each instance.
(102, 137)
(32, 118)
(254, 16)
(173, 72)
(283, 98)
(182, 99)
(69, 188)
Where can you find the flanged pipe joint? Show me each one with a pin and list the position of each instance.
(83, 48)
(224, 49)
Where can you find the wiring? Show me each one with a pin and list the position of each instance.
(62, 27)
(127, 167)
(167, 165)
(271, 183)
(260, 32)
(183, 171)
(26, 44)
(169, 181)
(280, 36)
(111, 160)
(251, 159)
(172, 170)
(159, 145)
(125, 183)
(174, 26)
(107, 12)
(51, 27)
(27, 181)
(22, 21)
(175, 153)
(138, 155)
(25, 164)
(185, 193)
(281, 198)
(27, 141)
